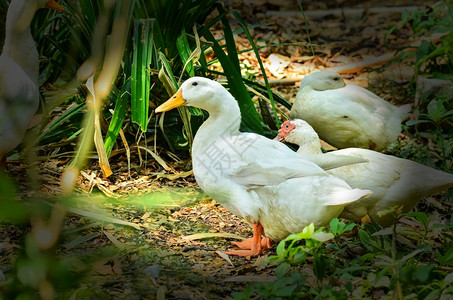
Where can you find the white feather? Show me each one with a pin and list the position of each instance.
(254, 177)
(394, 181)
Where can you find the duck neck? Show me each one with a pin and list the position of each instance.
(19, 45)
(223, 122)
(309, 149)
(308, 145)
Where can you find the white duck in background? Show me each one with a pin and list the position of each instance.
(259, 179)
(394, 181)
(19, 67)
(347, 115)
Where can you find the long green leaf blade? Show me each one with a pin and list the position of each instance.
(184, 52)
(140, 85)
(250, 116)
(121, 108)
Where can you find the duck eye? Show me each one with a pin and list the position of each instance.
(195, 83)
(336, 79)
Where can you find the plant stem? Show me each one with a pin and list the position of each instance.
(395, 265)
(306, 26)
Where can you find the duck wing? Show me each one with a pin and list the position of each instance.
(259, 161)
(328, 161)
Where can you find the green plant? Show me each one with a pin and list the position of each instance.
(309, 266)
(431, 58)
(293, 252)
(442, 119)
(162, 50)
(36, 269)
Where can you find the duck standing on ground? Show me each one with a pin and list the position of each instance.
(347, 115)
(19, 67)
(394, 181)
(259, 179)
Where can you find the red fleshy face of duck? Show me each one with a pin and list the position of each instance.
(285, 129)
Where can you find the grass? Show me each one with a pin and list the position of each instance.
(384, 263)
(373, 266)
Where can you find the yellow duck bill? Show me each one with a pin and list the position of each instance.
(54, 5)
(175, 101)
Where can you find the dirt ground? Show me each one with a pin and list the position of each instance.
(156, 235)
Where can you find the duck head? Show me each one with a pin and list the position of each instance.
(285, 130)
(297, 132)
(197, 92)
(324, 80)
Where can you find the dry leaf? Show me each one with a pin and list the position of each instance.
(113, 239)
(225, 257)
(199, 236)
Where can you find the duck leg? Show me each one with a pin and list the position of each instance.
(253, 246)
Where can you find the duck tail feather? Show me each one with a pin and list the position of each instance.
(346, 196)
(404, 110)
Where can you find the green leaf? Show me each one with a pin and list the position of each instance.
(416, 122)
(68, 114)
(320, 266)
(334, 225)
(81, 240)
(119, 113)
(299, 258)
(283, 287)
(309, 230)
(140, 76)
(282, 269)
(420, 217)
(423, 273)
(410, 255)
(370, 243)
(229, 40)
(322, 236)
(382, 281)
(168, 79)
(367, 257)
(184, 52)
(350, 226)
(446, 259)
(423, 50)
(260, 63)
(281, 250)
(250, 116)
(389, 32)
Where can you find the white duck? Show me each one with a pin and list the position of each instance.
(394, 181)
(19, 90)
(347, 115)
(259, 179)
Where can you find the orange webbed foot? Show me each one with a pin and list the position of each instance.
(244, 253)
(252, 246)
(247, 244)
